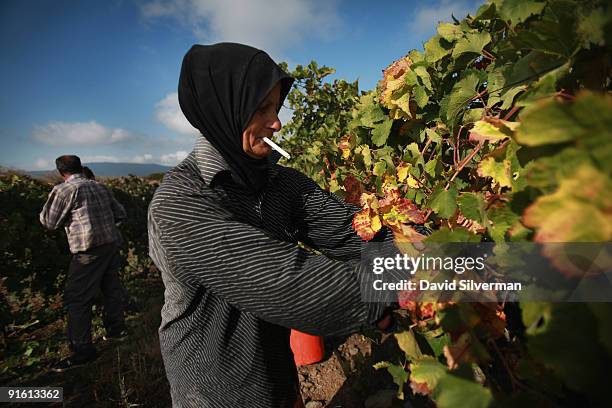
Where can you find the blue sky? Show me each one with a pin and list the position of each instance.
(98, 78)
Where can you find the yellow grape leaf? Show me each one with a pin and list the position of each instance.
(345, 146)
(334, 186)
(376, 224)
(500, 172)
(367, 155)
(491, 130)
(579, 211)
(366, 225)
(402, 171)
(379, 168)
(369, 201)
(412, 182)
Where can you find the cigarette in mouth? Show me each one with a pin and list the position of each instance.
(276, 147)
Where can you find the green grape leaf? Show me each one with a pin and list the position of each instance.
(591, 28)
(381, 131)
(431, 167)
(424, 76)
(472, 206)
(546, 172)
(408, 343)
(500, 220)
(420, 96)
(517, 11)
(443, 202)
(450, 32)
(453, 391)
(433, 135)
(545, 86)
(472, 115)
(459, 234)
(547, 122)
(411, 77)
(602, 312)
(399, 375)
(460, 96)
(372, 115)
(548, 340)
(379, 168)
(437, 341)
(554, 33)
(508, 97)
(436, 49)
(551, 122)
(367, 155)
(427, 370)
(485, 12)
(471, 43)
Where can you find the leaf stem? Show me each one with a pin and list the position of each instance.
(464, 163)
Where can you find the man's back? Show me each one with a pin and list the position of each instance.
(86, 209)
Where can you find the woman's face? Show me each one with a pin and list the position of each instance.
(264, 123)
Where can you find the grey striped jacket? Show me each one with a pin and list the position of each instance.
(236, 280)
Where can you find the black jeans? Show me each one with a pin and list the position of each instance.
(89, 272)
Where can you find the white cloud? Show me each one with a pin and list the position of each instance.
(42, 164)
(78, 133)
(100, 159)
(173, 158)
(427, 17)
(170, 115)
(271, 25)
(145, 158)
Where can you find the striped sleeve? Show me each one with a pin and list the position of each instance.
(274, 280)
(325, 222)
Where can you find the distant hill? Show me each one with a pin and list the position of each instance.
(115, 169)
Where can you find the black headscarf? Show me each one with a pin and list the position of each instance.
(220, 88)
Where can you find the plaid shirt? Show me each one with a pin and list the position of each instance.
(86, 209)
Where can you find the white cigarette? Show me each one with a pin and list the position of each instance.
(276, 147)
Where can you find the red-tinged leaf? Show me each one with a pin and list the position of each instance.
(419, 388)
(369, 200)
(407, 299)
(459, 352)
(425, 373)
(354, 189)
(389, 188)
(385, 204)
(366, 224)
(426, 310)
(471, 225)
(408, 209)
(493, 319)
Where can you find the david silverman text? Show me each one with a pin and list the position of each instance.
(464, 284)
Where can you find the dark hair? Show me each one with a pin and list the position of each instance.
(88, 173)
(68, 164)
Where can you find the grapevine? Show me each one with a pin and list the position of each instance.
(497, 131)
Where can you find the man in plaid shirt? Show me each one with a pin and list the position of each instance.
(88, 212)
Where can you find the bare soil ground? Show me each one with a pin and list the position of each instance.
(346, 378)
(131, 373)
